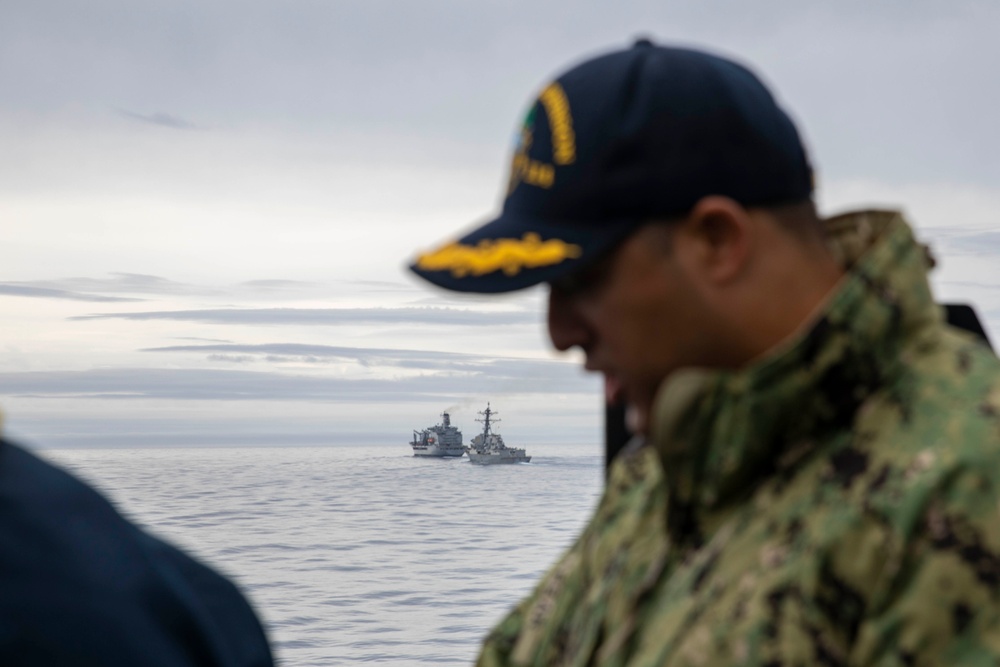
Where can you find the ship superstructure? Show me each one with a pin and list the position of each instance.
(488, 447)
(438, 441)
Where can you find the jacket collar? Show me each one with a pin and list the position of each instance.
(719, 433)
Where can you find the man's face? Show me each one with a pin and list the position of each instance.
(635, 314)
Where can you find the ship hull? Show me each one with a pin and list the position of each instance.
(493, 459)
(433, 451)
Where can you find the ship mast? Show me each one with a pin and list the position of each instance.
(485, 421)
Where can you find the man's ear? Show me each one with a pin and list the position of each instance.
(720, 233)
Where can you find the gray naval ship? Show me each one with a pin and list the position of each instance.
(440, 440)
(488, 448)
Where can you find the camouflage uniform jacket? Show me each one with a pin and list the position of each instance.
(835, 503)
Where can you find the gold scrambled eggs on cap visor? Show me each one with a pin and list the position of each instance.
(507, 255)
(494, 264)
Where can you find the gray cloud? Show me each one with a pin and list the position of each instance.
(502, 378)
(508, 367)
(329, 316)
(232, 358)
(299, 349)
(138, 283)
(278, 359)
(21, 289)
(119, 283)
(161, 119)
(977, 243)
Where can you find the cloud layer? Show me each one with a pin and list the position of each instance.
(15, 289)
(493, 377)
(329, 316)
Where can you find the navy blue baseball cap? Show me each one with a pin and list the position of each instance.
(619, 140)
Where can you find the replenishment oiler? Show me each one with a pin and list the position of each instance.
(488, 447)
(438, 441)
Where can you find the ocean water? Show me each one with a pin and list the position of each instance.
(359, 554)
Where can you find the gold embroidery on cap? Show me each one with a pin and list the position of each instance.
(508, 255)
(524, 169)
(532, 172)
(553, 98)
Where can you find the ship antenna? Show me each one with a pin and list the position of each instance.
(486, 420)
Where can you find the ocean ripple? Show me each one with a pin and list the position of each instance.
(359, 554)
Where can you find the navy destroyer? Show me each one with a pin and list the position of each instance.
(488, 447)
(440, 440)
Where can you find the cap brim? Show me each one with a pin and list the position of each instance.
(513, 253)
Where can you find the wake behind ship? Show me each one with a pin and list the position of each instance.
(488, 447)
(438, 441)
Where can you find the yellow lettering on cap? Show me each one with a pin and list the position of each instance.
(553, 98)
(524, 169)
(505, 254)
(532, 172)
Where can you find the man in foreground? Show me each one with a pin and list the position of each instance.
(816, 477)
(80, 586)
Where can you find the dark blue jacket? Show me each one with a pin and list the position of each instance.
(82, 586)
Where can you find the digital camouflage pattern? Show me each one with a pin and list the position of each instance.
(837, 503)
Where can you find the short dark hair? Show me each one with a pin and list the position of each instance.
(800, 219)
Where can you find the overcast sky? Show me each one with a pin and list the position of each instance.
(206, 206)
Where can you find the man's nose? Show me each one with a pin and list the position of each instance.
(566, 326)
